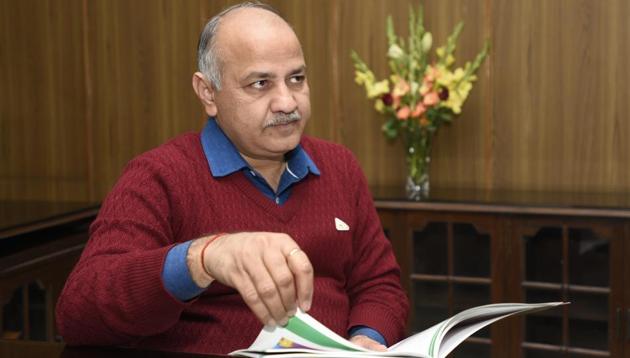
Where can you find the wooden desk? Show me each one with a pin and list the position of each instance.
(39, 244)
(34, 349)
(462, 248)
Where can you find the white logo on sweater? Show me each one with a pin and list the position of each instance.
(340, 225)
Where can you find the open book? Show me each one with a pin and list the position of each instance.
(303, 336)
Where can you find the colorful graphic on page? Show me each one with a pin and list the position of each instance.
(287, 343)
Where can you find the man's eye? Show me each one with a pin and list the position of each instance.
(297, 79)
(259, 84)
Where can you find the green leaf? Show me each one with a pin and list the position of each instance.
(479, 59)
(451, 42)
(390, 129)
(359, 64)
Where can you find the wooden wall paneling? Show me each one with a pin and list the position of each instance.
(42, 101)
(185, 112)
(142, 59)
(602, 151)
(620, 49)
(517, 44)
(589, 37)
(556, 101)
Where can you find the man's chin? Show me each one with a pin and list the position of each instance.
(284, 145)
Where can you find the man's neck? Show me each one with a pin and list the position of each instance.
(270, 169)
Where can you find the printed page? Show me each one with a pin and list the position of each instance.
(307, 327)
(442, 338)
(304, 336)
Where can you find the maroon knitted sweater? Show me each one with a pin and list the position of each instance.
(115, 294)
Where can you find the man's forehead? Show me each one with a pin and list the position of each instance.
(276, 59)
(256, 40)
(251, 22)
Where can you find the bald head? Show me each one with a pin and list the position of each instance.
(247, 24)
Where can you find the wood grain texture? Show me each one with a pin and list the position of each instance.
(42, 101)
(87, 85)
(142, 56)
(560, 104)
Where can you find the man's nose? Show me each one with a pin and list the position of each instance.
(283, 100)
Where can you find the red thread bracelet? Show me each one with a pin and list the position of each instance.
(203, 251)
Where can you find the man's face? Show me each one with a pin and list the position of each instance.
(263, 86)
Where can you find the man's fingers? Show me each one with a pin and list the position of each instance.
(302, 270)
(269, 270)
(283, 277)
(267, 291)
(248, 291)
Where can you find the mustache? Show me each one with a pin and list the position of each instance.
(283, 118)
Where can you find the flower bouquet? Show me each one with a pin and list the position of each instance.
(420, 94)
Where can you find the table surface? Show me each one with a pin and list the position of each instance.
(610, 204)
(103, 352)
(28, 349)
(20, 217)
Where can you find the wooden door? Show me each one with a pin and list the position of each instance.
(574, 260)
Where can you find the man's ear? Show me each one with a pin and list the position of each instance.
(205, 92)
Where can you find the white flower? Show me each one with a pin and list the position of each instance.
(395, 52)
(427, 41)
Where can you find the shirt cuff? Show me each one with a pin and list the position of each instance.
(176, 275)
(368, 332)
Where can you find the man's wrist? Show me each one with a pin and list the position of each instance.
(195, 261)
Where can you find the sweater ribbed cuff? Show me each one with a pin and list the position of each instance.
(380, 319)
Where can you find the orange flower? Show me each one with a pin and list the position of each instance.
(431, 74)
(426, 87)
(401, 88)
(403, 113)
(431, 99)
(419, 110)
(396, 101)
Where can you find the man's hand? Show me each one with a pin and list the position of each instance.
(269, 270)
(366, 342)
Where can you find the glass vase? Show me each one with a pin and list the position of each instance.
(418, 165)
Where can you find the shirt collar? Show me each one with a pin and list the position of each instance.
(224, 159)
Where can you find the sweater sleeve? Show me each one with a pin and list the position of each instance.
(376, 296)
(115, 294)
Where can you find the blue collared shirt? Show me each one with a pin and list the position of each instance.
(224, 159)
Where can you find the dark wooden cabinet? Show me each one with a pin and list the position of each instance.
(460, 249)
(40, 243)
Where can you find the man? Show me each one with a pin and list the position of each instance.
(208, 237)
